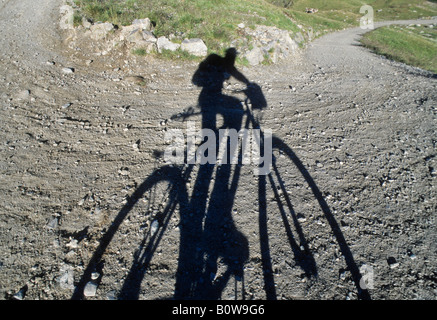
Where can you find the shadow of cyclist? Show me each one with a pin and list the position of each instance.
(209, 238)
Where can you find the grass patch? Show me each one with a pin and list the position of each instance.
(339, 14)
(403, 9)
(139, 52)
(179, 55)
(383, 9)
(413, 45)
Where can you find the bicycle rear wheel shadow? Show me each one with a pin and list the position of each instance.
(185, 248)
(150, 209)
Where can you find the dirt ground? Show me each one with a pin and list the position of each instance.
(348, 211)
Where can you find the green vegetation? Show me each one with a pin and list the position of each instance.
(414, 45)
(339, 14)
(282, 3)
(383, 9)
(139, 52)
(216, 21)
(178, 54)
(77, 19)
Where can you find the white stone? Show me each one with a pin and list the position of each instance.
(195, 47)
(149, 36)
(66, 280)
(100, 31)
(53, 223)
(126, 31)
(95, 275)
(90, 289)
(73, 244)
(135, 36)
(255, 56)
(154, 227)
(67, 70)
(141, 39)
(164, 44)
(22, 95)
(86, 23)
(274, 43)
(66, 21)
(144, 24)
(111, 295)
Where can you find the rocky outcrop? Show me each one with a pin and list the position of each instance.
(67, 15)
(144, 24)
(164, 44)
(139, 35)
(254, 56)
(263, 44)
(100, 31)
(266, 44)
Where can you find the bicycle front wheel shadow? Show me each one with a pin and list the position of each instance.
(303, 249)
(138, 253)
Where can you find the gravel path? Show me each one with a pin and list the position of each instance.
(358, 163)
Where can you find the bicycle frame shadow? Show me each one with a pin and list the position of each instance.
(208, 232)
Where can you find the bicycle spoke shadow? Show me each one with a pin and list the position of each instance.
(208, 236)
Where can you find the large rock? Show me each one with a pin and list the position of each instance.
(138, 38)
(149, 37)
(148, 42)
(270, 42)
(100, 31)
(281, 39)
(127, 31)
(149, 47)
(195, 47)
(144, 24)
(164, 44)
(67, 14)
(135, 36)
(255, 56)
(135, 31)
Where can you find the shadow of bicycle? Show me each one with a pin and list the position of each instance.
(187, 212)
